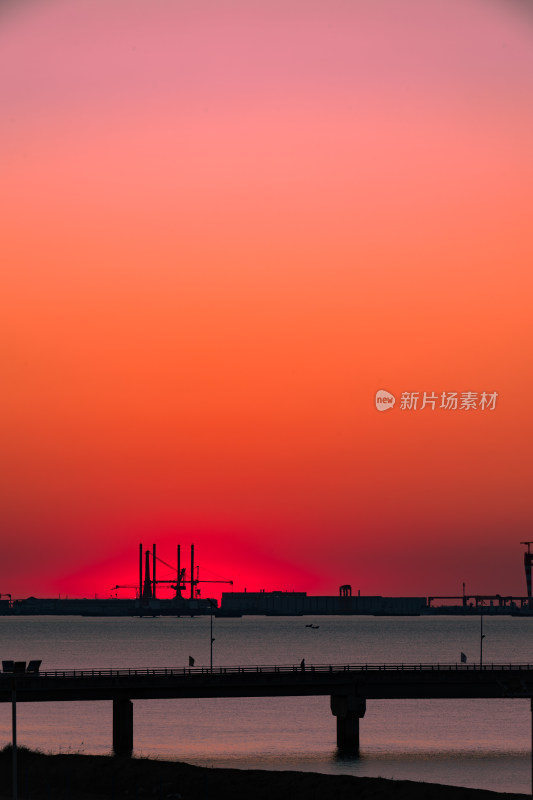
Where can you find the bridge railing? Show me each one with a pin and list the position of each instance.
(271, 669)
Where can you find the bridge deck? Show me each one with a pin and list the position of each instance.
(368, 681)
(348, 685)
(284, 668)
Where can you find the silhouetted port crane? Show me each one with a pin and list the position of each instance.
(147, 588)
(528, 558)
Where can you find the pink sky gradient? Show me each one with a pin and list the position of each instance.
(224, 227)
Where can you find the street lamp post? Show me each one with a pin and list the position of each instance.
(14, 739)
(17, 668)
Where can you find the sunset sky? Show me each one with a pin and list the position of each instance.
(226, 224)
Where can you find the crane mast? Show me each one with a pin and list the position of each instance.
(146, 588)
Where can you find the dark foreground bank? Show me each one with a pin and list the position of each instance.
(83, 777)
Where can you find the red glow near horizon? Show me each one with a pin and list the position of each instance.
(92, 580)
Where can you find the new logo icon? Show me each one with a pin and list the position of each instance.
(384, 400)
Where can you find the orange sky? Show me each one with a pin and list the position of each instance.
(224, 228)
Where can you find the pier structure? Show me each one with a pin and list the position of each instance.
(349, 686)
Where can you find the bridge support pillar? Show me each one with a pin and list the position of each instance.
(122, 727)
(348, 709)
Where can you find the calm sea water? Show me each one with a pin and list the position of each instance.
(477, 743)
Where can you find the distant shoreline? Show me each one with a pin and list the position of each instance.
(89, 777)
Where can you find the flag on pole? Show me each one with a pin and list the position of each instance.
(463, 658)
(191, 661)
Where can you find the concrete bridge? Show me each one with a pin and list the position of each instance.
(349, 686)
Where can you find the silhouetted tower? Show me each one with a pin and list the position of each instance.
(147, 588)
(140, 570)
(154, 582)
(528, 558)
(345, 590)
(192, 572)
(178, 572)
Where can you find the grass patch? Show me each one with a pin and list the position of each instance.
(76, 776)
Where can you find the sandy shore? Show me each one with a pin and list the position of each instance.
(83, 777)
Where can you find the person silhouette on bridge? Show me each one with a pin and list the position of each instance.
(302, 664)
